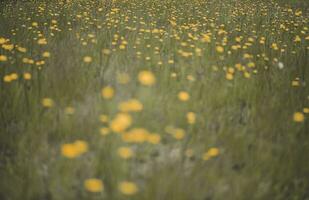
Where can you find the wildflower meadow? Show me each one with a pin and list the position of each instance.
(154, 100)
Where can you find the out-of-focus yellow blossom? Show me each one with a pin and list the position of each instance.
(132, 105)
(107, 92)
(22, 49)
(298, 117)
(2, 40)
(87, 59)
(295, 83)
(229, 76)
(104, 131)
(27, 76)
(93, 185)
(183, 96)
(219, 49)
(47, 102)
(75, 149)
(191, 117)
(136, 135)
(153, 138)
(127, 188)
(46, 54)
(8, 47)
(3, 58)
(125, 152)
(212, 152)
(206, 38)
(146, 78)
(178, 133)
(42, 41)
(121, 122)
(7, 78)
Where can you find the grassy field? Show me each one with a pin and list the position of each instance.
(149, 99)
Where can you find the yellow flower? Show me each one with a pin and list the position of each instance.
(21, 49)
(251, 64)
(14, 76)
(104, 131)
(297, 39)
(247, 75)
(295, 83)
(146, 78)
(132, 105)
(42, 41)
(153, 138)
(8, 47)
(173, 23)
(178, 133)
(81, 146)
(35, 24)
(69, 150)
(229, 76)
(3, 58)
(87, 59)
(183, 96)
(121, 122)
(274, 46)
(191, 118)
(206, 38)
(94, 185)
(219, 49)
(47, 102)
(298, 117)
(298, 13)
(125, 152)
(46, 54)
(27, 76)
(212, 152)
(2, 40)
(72, 150)
(306, 110)
(137, 135)
(107, 92)
(7, 78)
(128, 188)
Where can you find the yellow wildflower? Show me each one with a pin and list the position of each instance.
(107, 92)
(183, 96)
(146, 78)
(121, 122)
(128, 188)
(125, 152)
(94, 185)
(47, 102)
(298, 117)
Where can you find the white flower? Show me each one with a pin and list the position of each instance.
(280, 65)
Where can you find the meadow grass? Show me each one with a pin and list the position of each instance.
(166, 100)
